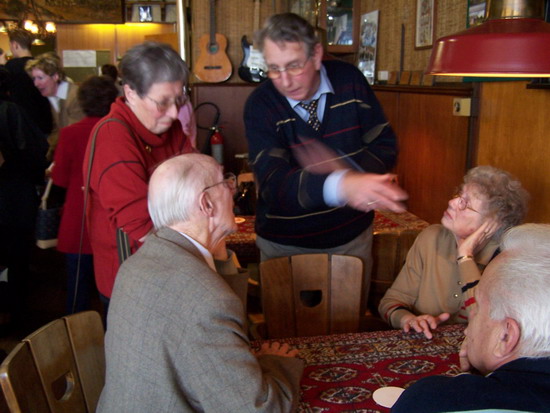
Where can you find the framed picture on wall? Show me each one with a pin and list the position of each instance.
(366, 61)
(476, 12)
(424, 24)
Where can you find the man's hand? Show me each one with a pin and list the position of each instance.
(365, 192)
(277, 349)
(424, 323)
(463, 356)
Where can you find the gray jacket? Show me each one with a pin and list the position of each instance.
(176, 340)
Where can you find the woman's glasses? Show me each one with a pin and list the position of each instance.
(166, 104)
(463, 204)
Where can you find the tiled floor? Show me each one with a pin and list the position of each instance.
(46, 296)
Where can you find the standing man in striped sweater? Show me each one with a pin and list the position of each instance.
(320, 148)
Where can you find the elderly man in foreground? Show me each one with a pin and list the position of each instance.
(176, 339)
(507, 339)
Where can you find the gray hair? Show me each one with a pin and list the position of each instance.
(287, 27)
(506, 198)
(175, 187)
(521, 289)
(149, 63)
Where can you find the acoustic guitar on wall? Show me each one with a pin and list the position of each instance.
(253, 68)
(213, 65)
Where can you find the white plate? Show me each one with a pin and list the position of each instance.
(387, 396)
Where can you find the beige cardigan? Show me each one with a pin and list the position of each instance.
(432, 282)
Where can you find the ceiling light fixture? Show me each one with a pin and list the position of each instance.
(513, 42)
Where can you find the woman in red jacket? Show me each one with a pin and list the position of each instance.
(140, 131)
(95, 96)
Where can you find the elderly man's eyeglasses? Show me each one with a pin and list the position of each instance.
(293, 69)
(463, 204)
(166, 104)
(229, 180)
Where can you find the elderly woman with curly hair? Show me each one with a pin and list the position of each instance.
(446, 261)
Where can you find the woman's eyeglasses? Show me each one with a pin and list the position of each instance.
(293, 69)
(463, 204)
(229, 180)
(166, 104)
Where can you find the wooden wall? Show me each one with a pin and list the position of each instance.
(514, 134)
(234, 18)
(114, 37)
(433, 144)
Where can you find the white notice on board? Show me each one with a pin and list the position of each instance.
(79, 58)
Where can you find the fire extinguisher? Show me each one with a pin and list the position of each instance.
(216, 144)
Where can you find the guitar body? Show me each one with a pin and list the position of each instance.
(248, 70)
(213, 65)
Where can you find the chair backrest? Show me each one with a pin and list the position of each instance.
(87, 340)
(59, 368)
(311, 294)
(21, 382)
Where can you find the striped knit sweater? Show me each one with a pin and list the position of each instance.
(291, 209)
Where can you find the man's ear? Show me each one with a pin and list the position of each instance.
(205, 204)
(509, 337)
(317, 55)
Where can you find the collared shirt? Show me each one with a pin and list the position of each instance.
(204, 252)
(331, 188)
(324, 87)
(62, 92)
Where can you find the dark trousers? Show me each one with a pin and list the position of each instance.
(15, 253)
(80, 284)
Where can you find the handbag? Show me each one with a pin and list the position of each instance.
(47, 221)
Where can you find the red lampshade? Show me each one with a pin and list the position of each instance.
(502, 47)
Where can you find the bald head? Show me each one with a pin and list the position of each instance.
(176, 185)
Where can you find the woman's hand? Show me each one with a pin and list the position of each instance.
(424, 323)
(478, 238)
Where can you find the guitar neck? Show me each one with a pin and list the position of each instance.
(212, 22)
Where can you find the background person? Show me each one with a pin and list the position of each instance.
(142, 134)
(303, 207)
(21, 87)
(445, 263)
(95, 96)
(22, 162)
(177, 338)
(49, 78)
(507, 339)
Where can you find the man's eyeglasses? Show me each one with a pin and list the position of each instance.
(166, 104)
(229, 180)
(463, 204)
(293, 69)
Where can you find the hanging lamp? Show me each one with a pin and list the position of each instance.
(514, 41)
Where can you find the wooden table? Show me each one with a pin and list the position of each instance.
(243, 242)
(343, 371)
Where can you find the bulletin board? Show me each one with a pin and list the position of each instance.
(80, 64)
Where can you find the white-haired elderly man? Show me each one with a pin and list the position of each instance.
(176, 339)
(507, 338)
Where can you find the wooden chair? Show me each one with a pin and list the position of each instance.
(59, 368)
(311, 294)
(87, 341)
